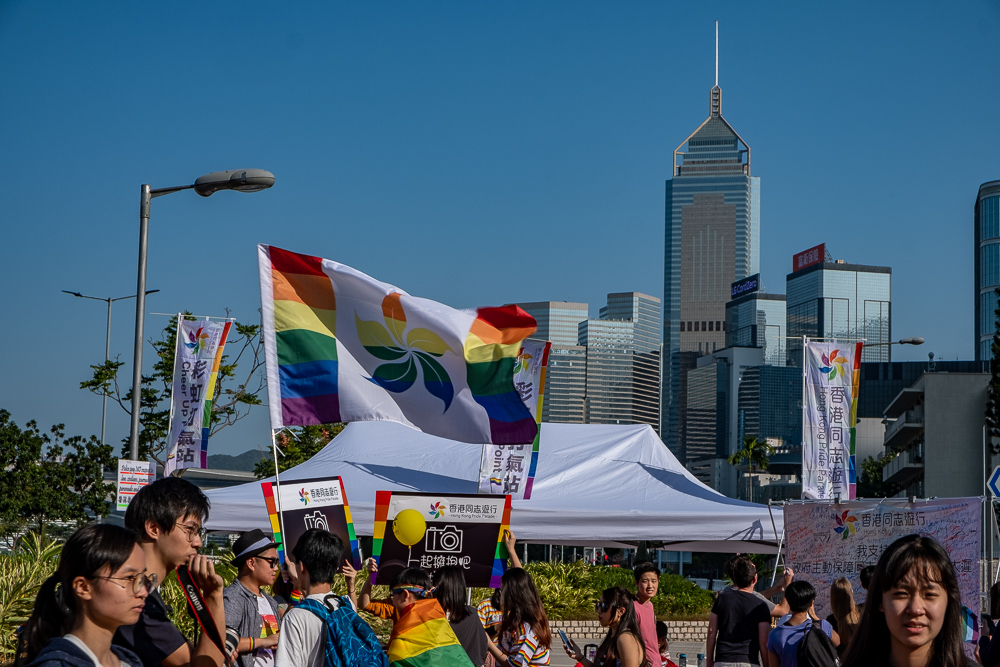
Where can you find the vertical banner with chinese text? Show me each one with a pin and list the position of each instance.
(198, 344)
(827, 541)
(431, 531)
(831, 374)
(510, 469)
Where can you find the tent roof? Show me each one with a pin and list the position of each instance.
(595, 484)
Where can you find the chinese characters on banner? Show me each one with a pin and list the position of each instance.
(311, 503)
(510, 469)
(827, 541)
(455, 529)
(132, 476)
(200, 345)
(831, 374)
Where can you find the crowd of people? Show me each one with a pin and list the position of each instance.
(102, 607)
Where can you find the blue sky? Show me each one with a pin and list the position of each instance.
(473, 153)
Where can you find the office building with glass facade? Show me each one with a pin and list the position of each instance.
(712, 225)
(758, 320)
(623, 361)
(566, 374)
(849, 302)
(987, 265)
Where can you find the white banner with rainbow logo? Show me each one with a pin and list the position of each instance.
(831, 373)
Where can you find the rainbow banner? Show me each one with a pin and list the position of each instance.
(342, 346)
(197, 357)
(831, 375)
(311, 503)
(422, 637)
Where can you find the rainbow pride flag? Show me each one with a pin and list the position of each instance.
(422, 637)
(342, 346)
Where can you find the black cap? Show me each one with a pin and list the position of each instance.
(250, 544)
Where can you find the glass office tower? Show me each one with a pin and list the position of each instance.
(849, 302)
(623, 361)
(712, 239)
(758, 320)
(987, 265)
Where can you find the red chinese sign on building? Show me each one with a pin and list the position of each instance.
(813, 255)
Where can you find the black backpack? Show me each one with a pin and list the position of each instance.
(816, 649)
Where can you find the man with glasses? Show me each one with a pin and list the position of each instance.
(251, 612)
(168, 515)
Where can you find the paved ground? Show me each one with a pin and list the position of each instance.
(692, 649)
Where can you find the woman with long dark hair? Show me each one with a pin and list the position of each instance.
(524, 631)
(913, 614)
(622, 647)
(449, 589)
(100, 584)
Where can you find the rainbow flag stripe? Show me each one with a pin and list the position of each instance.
(491, 349)
(422, 637)
(305, 324)
(206, 421)
(500, 559)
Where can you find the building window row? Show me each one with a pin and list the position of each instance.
(704, 325)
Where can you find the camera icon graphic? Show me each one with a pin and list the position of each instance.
(316, 520)
(443, 540)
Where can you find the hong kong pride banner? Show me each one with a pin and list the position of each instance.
(826, 541)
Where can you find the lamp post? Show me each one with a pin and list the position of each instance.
(107, 344)
(240, 180)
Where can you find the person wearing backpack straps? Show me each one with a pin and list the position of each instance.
(803, 640)
(323, 630)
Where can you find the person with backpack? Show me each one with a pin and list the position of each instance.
(323, 630)
(798, 642)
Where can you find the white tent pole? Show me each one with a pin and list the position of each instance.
(277, 492)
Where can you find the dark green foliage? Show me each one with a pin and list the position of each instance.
(870, 484)
(753, 452)
(230, 406)
(48, 477)
(301, 446)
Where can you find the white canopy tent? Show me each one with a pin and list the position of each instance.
(595, 485)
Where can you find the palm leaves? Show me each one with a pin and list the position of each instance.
(754, 453)
(21, 574)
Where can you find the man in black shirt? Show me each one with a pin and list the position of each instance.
(739, 623)
(168, 515)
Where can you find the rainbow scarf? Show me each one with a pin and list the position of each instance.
(422, 637)
(342, 346)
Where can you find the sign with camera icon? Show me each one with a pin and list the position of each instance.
(311, 503)
(430, 531)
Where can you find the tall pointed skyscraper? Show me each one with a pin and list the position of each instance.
(712, 240)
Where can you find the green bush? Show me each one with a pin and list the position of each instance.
(22, 572)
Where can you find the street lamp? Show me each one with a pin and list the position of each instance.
(241, 180)
(915, 340)
(107, 344)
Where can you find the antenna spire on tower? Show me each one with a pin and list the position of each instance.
(716, 53)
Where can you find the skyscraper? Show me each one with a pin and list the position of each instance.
(623, 361)
(756, 319)
(834, 299)
(712, 239)
(987, 265)
(566, 375)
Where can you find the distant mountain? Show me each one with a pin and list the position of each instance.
(243, 462)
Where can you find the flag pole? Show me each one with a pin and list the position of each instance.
(170, 415)
(277, 491)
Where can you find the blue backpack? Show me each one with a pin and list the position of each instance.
(350, 642)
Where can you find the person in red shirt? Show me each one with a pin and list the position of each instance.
(647, 582)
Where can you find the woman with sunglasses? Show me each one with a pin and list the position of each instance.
(622, 647)
(524, 630)
(100, 584)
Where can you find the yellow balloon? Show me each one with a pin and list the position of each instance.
(409, 527)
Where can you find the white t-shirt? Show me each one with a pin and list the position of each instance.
(86, 649)
(301, 643)
(264, 657)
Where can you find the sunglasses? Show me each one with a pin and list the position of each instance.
(601, 606)
(416, 590)
(273, 562)
(137, 582)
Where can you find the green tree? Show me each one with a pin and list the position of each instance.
(754, 452)
(48, 477)
(870, 484)
(303, 443)
(993, 389)
(230, 405)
